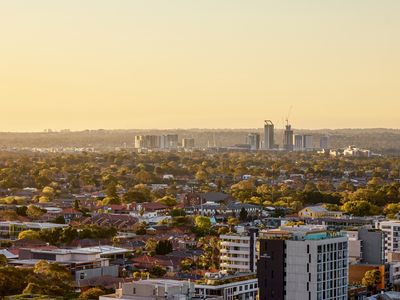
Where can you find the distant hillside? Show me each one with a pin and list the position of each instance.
(379, 140)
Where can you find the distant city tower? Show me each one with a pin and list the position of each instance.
(253, 139)
(268, 135)
(288, 137)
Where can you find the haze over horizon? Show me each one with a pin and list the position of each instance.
(226, 64)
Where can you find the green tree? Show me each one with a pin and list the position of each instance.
(232, 221)
(186, 264)
(202, 224)
(141, 230)
(391, 210)
(243, 214)
(168, 201)
(371, 279)
(29, 234)
(3, 260)
(360, 208)
(48, 192)
(163, 247)
(34, 212)
(157, 271)
(13, 280)
(223, 230)
(52, 278)
(92, 293)
(150, 246)
(211, 251)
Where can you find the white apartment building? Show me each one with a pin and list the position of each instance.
(303, 263)
(392, 235)
(238, 252)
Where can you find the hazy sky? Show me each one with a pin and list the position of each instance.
(208, 63)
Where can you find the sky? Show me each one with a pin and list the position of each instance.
(116, 64)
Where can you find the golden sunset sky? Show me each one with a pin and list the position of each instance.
(87, 64)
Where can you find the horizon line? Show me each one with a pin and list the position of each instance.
(67, 130)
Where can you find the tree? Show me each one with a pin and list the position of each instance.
(391, 210)
(168, 201)
(34, 212)
(150, 246)
(76, 204)
(223, 230)
(144, 177)
(201, 176)
(243, 214)
(211, 251)
(21, 210)
(163, 247)
(202, 224)
(13, 280)
(141, 230)
(177, 213)
(111, 194)
(48, 192)
(92, 293)
(371, 279)
(29, 234)
(139, 193)
(3, 260)
(59, 220)
(360, 208)
(52, 278)
(157, 271)
(186, 264)
(232, 221)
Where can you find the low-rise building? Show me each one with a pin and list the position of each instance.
(318, 211)
(153, 289)
(228, 287)
(82, 263)
(11, 229)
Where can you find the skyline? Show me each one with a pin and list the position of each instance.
(136, 65)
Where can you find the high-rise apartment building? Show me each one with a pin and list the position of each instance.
(169, 141)
(188, 143)
(268, 135)
(303, 262)
(324, 142)
(253, 139)
(298, 142)
(288, 138)
(238, 252)
(308, 142)
(147, 141)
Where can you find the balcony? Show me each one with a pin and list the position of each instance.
(233, 244)
(240, 252)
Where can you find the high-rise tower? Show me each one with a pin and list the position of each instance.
(268, 135)
(288, 137)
